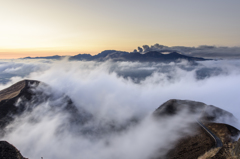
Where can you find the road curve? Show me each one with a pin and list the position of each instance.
(218, 142)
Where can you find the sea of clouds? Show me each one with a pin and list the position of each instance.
(119, 93)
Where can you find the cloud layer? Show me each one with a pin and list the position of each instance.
(123, 94)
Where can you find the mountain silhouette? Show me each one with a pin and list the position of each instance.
(113, 55)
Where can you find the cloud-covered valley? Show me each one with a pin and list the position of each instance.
(123, 94)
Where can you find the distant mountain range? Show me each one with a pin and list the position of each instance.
(151, 56)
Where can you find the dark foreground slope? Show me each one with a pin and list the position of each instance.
(191, 147)
(8, 151)
(26, 95)
(208, 127)
(10, 96)
(22, 98)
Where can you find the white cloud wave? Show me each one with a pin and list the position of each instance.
(113, 93)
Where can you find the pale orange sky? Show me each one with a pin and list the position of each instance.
(69, 27)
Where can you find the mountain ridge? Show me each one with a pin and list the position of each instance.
(114, 55)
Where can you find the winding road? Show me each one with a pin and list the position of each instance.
(218, 142)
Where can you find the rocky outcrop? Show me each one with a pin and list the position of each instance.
(26, 95)
(11, 95)
(201, 111)
(202, 145)
(8, 151)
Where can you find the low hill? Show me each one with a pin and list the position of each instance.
(10, 96)
(25, 95)
(212, 137)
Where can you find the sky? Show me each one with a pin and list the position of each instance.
(69, 27)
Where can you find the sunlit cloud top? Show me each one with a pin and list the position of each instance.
(47, 27)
